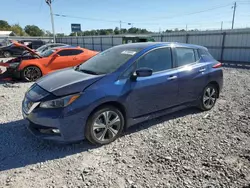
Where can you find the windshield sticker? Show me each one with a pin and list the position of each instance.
(128, 52)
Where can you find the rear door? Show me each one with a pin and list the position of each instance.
(192, 74)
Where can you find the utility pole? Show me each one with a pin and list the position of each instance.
(186, 27)
(221, 28)
(234, 7)
(52, 19)
(120, 26)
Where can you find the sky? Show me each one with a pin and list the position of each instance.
(153, 15)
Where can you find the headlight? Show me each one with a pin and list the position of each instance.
(59, 103)
(14, 65)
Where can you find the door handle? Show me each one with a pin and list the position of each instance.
(172, 77)
(202, 70)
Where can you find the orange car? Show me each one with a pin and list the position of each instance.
(33, 66)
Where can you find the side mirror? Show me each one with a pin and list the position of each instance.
(142, 72)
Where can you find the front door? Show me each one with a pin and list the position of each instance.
(64, 60)
(156, 92)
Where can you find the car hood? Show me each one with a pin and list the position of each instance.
(33, 52)
(67, 81)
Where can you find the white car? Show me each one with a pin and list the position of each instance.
(46, 47)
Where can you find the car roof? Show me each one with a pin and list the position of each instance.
(156, 44)
(49, 44)
(67, 48)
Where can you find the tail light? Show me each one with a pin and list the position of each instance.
(217, 65)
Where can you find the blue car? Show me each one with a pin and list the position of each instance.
(121, 87)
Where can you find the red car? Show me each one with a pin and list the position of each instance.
(34, 66)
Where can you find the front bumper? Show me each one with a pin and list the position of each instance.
(14, 72)
(11, 71)
(70, 126)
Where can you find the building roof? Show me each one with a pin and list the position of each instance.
(5, 33)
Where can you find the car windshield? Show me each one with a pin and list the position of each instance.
(40, 49)
(47, 53)
(109, 60)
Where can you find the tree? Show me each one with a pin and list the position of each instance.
(4, 25)
(60, 35)
(17, 29)
(117, 31)
(168, 30)
(48, 33)
(33, 30)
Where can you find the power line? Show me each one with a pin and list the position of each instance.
(86, 18)
(146, 23)
(191, 13)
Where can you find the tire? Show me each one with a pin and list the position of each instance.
(31, 73)
(104, 133)
(209, 97)
(6, 54)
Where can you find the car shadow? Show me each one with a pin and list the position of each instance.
(20, 148)
(150, 123)
(9, 81)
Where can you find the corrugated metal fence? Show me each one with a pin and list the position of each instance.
(46, 39)
(230, 46)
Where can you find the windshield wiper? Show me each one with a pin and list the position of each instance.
(77, 67)
(87, 71)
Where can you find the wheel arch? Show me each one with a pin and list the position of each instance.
(23, 66)
(115, 104)
(7, 51)
(216, 85)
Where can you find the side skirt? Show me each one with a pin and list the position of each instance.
(134, 121)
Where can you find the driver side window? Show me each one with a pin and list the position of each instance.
(157, 60)
(64, 53)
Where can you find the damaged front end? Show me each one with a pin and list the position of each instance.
(11, 67)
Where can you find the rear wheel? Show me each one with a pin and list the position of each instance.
(31, 73)
(6, 54)
(105, 125)
(209, 97)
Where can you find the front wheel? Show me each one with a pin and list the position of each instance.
(209, 97)
(104, 125)
(6, 54)
(31, 73)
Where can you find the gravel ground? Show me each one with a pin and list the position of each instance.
(185, 149)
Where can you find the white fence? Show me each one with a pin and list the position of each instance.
(231, 46)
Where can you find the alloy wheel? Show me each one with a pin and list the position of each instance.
(106, 126)
(32, 73)
(209, 97)
(6, 54)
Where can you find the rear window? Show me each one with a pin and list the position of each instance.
(206, 55)
(185, 56)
